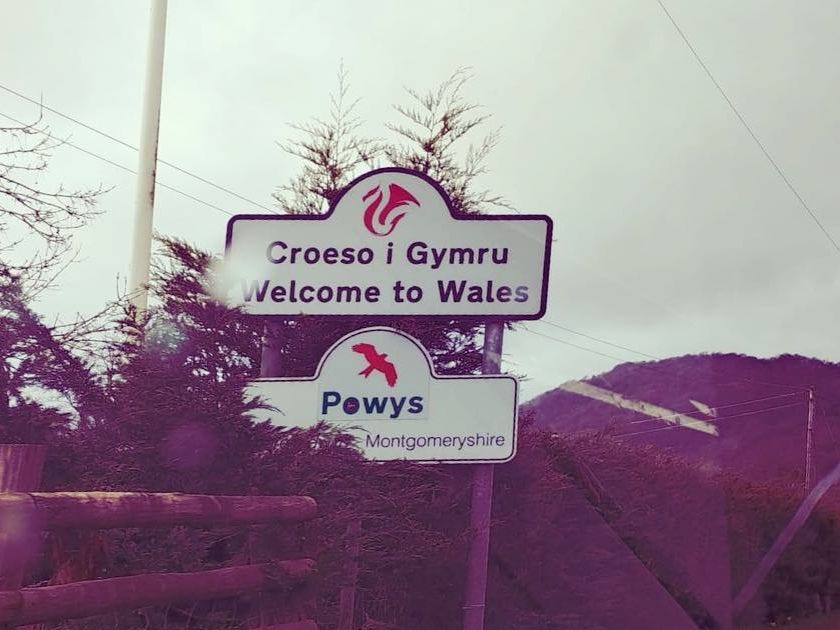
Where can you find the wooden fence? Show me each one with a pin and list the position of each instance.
(24, 513)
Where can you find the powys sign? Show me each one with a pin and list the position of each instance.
(391, 244)
(379, 384)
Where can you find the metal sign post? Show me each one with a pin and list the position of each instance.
(481, 505)
(394, 244)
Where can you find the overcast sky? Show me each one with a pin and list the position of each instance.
(674, 233)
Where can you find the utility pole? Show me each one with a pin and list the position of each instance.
(809, 441)
(144, 204)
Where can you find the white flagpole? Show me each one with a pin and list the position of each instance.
(141, 247)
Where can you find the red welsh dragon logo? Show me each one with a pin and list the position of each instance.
(380, 219)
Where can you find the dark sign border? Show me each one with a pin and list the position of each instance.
(455, 215)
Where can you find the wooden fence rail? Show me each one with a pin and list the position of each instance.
(23, 513)
(94, 597)
(105, 510)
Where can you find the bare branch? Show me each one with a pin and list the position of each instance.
(40, 216)
(432, 129)
(331, 150)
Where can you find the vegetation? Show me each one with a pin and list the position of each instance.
(760, 408)
(586, 526)
(37, 220)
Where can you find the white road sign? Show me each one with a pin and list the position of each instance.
(392, 244)
(379, 384)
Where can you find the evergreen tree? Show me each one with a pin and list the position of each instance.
(430, 138)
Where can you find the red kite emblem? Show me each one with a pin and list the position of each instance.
(376, 363)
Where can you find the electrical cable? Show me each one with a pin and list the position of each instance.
(716, 407)
(746, 126)
(824, 418)
(118, 165)
(133, 148)
(603, 341)
(644, 366)
(206, 181)
(737, 415)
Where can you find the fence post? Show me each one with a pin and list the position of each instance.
(347, 596)
(298, 602)
(21, 466)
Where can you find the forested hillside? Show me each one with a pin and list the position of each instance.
(759, 407)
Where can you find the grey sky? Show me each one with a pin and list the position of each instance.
(674, 234)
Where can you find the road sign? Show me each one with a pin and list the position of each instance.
(391, 244)
(379, 385)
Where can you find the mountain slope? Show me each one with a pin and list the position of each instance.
(760, 407)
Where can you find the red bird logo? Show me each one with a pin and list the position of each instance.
(376, 363)
(376, 218)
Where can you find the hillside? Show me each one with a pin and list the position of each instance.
(760, 406)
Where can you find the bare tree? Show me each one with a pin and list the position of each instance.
(37, 220)
(38, 361)
(434, 136)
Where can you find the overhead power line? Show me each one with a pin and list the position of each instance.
(642, 366)
(120, 166)
(237, 195)
(823, 416)
(746, 126)
(715, 420)
(599, 340)
(726, 406)
(579, 347)
(133, 148)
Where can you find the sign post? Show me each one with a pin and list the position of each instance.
(481, 506)
(392, 244)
